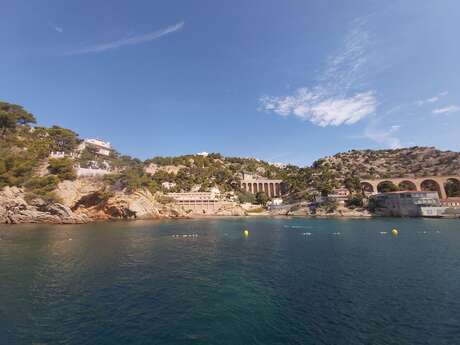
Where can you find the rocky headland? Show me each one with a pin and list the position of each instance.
(85, 200)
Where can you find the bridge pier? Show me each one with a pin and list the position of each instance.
(272, 187)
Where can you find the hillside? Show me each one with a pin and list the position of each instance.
(31, 174)
(405, 162)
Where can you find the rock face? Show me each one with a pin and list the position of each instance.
(70, 192)
(344, 212)
(82, 208)
(99, 205)
(15, 209)
(87, 199)
(236, 210)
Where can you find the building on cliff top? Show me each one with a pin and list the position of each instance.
(101, 147)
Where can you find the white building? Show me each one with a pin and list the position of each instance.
(168, 185)
(193, 196)
(339, 194)
(204, 154)
(279, 165)
(91, 172)
(57, 154)
(103, 148)
(451, 202)
(275, 202)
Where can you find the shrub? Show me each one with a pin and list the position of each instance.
(246, 197)
(387, 186)
(262, 198)
(329, 205)
(43, 187)
(62, 168)
(164, 199)
(354, 201)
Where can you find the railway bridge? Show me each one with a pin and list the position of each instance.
(427, 183)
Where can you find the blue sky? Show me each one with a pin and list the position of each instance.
(286, 81)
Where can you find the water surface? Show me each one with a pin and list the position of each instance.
(292, 281)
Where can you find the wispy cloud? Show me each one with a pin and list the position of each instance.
(384, 136)
(447, 110)
(322, 109)
(433, 99)
(334, 101)
(56, 28)
(98, 48)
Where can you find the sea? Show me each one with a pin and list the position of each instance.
(232, 281)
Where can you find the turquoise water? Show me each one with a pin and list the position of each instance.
(291, 281)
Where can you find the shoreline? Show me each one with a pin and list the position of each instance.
(210, 217)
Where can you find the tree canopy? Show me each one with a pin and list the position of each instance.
(12, 115)
(63, 139)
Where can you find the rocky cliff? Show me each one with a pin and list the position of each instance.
(87, 200)
(83, 201)
(14, 208)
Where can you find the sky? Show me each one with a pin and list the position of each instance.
(282, 80)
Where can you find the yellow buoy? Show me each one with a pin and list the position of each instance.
(246, 233)
(395, 232)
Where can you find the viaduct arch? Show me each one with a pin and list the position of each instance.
(271, 187)
(427, 183)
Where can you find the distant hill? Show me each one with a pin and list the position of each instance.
(405, 162)
(25, 161)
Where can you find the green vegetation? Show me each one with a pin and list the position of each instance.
(355, 201)
(132, 180)
(452, 188)
(25, 151)
(262, 198)
(329, 205)
(12, 116)
(246, 197)
(388, 186)
(62, 168)
(352, 183)
(406, 185)
(63, 140)
(42, 187)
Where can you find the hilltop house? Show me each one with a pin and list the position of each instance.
(95, 168)
(102, 148)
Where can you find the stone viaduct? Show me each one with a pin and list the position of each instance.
(428, 183)
(272, 188)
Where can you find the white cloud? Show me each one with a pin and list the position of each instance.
(333, 101)
(447, 110)
(433, 99)
(128, 41)
(385, 137)
(344, 69)
(321, 109)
